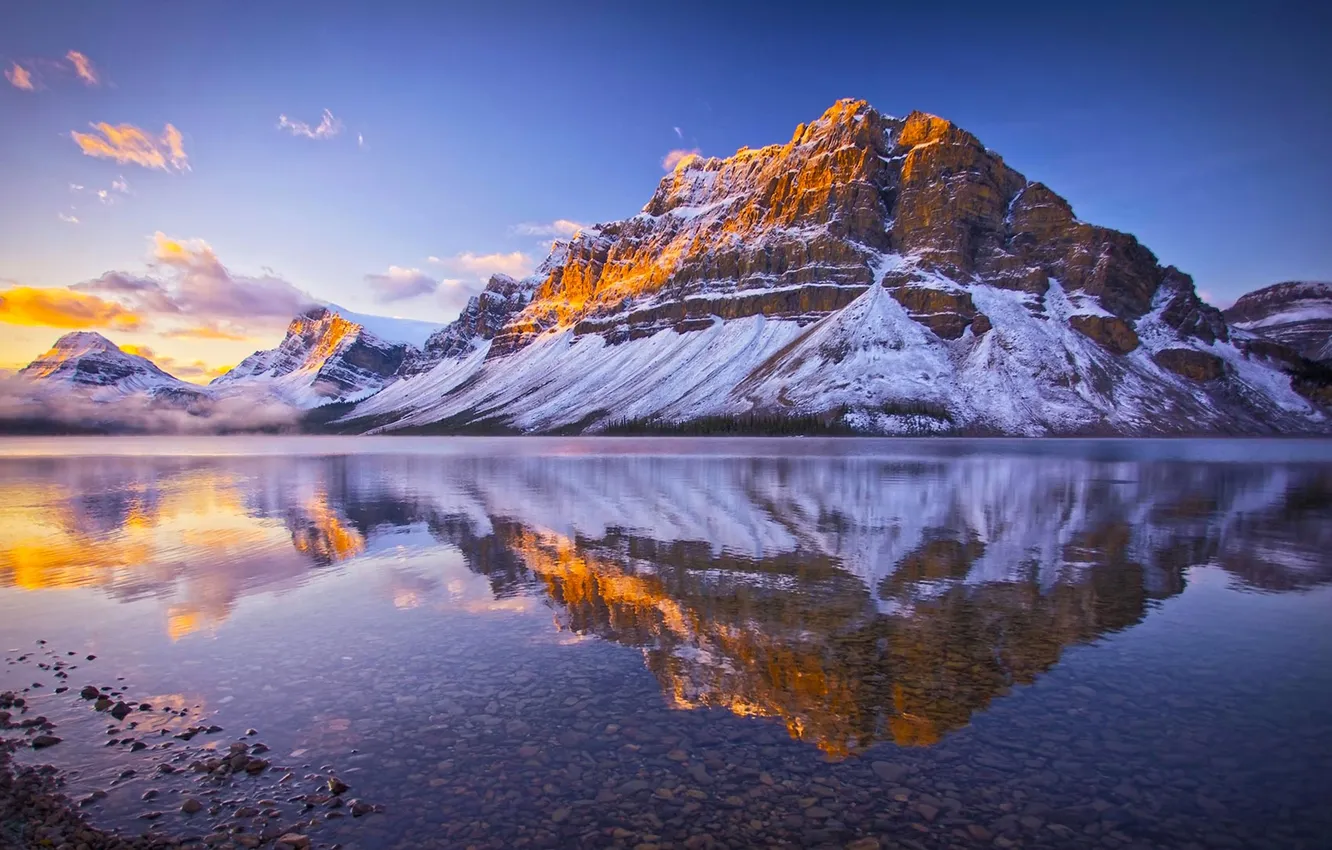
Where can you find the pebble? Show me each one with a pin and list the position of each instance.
(888, 771)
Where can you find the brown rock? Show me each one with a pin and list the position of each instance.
(1190, 363)
(946, 312)
(1187, 313)
(1114, 334)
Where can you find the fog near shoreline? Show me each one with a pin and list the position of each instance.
(142, 413)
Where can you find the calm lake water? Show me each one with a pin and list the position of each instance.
(716, 643)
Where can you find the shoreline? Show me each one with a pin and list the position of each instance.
(35, 812)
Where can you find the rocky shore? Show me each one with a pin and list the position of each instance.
(225, 794)
(35, 813)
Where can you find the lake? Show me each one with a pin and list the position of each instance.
(680, 643)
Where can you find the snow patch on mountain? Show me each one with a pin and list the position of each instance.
(1031, 374)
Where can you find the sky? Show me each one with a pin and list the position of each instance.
(183, 177)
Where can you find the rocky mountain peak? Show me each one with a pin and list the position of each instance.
(82, 342)
(326, 356)
(892, 273)
(88, 361)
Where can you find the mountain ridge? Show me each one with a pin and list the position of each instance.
(873, 274)
(329, 355)
(871, 265)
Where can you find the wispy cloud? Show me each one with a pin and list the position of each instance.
(400, 284)
(360, 141)
(67, 219)
(679, 158)
(20, 77)
(119, 185)
(128, 144)
(64, 308)
(560, 227)
(679, 134)
(83, 66)
(481, 266)
(327, 128)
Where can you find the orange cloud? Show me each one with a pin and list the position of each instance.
(189, 285)
(182, 252)
(83, 66)
(197, 372)
(206, 332)
(677, 159)
(19, 77)
(126, 143)
(63, 308)
(139, 350)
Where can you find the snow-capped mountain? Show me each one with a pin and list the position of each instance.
(95, 368)
(893, 273)
(330, 355)
(1297, 314)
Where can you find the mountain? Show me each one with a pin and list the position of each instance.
(93, 367)
(891, 275)
(330, 355)
(1297, 314)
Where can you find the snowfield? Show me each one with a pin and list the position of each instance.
(1031, 374)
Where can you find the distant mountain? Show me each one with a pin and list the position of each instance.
(1297, 314)
(92, 366)
(887, 275)
(86, 384)
(330, 355)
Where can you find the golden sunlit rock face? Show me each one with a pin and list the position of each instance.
(796, 231)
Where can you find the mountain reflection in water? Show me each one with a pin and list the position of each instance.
(859, 599)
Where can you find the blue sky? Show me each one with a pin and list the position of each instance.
(1200, 129)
